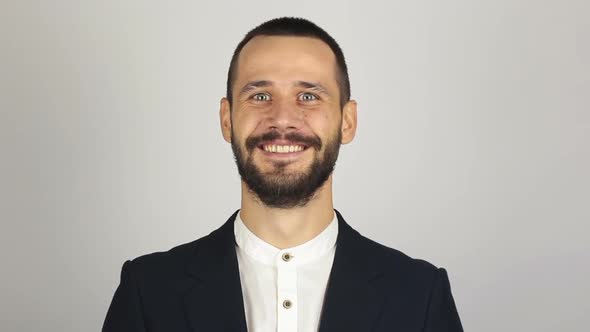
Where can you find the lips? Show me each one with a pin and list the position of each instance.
(290, 143)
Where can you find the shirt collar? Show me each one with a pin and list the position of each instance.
(302, 254)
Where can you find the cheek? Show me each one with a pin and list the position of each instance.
(243, 126)
(323, 124)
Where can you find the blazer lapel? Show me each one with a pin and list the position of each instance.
(215, 302)
(352, 301)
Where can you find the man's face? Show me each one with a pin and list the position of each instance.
(286, 123)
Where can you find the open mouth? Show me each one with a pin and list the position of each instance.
(275, 149)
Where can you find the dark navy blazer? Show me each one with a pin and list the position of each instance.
(196, 287)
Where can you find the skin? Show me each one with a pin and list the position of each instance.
(284, 104)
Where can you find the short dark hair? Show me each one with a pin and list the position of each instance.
(299, 27)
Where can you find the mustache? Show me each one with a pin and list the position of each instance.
(310, 141)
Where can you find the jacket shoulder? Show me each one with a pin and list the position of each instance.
(401, 265)
(166, 264)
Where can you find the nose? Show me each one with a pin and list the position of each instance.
(284, 116)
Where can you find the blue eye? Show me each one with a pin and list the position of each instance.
(306, 96)
(261, 97)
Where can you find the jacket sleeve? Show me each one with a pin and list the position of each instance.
(442, 315)
(125, 312)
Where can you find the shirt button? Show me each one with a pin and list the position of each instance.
(287, 304)
(287, 257)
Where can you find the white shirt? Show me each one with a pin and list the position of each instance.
(284, 290)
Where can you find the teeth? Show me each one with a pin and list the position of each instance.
(282, 148)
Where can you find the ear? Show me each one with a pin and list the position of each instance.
(348, 128)
(225, 119)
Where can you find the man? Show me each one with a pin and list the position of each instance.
(286, 261)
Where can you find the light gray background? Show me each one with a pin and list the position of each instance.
(472, 150)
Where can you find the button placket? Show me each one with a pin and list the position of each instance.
(286, 293)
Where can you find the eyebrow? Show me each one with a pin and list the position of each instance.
(254, 85)
(312, 86)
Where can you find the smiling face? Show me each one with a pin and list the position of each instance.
(286, 123)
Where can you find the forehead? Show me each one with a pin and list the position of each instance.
(286, 58)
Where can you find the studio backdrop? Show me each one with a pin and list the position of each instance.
(472, 150)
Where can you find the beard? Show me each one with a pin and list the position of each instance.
(280, 188)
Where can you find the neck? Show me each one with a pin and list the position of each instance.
(285, 228)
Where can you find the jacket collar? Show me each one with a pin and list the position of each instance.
(215, 303)
(353, 301)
